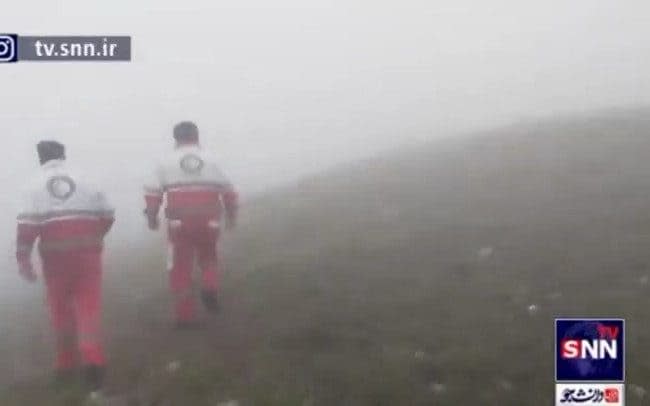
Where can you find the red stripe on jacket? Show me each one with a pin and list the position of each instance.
(60, 234)
(192, 197)
(194, 201)
(58, 229)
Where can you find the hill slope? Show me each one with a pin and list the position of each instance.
(405, 279)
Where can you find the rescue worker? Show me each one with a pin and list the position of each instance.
(70, 217)
(197, 194)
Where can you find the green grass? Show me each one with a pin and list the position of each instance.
(365, 286)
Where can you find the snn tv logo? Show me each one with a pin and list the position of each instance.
(601, 348)
(590, 350)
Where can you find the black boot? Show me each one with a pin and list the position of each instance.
(94, 377)
(210, 301)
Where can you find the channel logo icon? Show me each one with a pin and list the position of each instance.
(612, 395)
(8, 48)
(589, 350)
(604, 394)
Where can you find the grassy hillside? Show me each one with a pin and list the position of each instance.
(427, 277)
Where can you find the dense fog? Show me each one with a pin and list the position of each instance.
(287, 88)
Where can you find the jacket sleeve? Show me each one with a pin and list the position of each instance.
(28, 228)
(153, 194)
(229, 196)
(231, 202)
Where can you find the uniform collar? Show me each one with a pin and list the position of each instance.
(53, 163)
(188, 146)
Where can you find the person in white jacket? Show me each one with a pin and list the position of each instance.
(69, 216)
(198, 196)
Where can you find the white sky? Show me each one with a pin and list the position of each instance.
(287, 87)
(284, 87)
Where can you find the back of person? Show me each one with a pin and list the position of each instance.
(197, 196)
(71, 214)
(70, 217)
(194, 188)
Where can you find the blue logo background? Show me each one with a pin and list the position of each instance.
(8, 48)
(586, 370)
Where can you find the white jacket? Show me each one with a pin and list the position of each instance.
(64, 209)
(192, 184)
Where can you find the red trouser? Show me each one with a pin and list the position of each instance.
(74, 284)
(190, 241)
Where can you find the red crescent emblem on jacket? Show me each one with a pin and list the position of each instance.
(61, 187)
